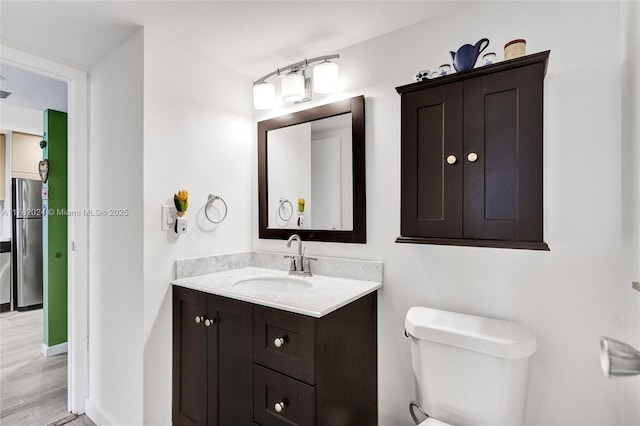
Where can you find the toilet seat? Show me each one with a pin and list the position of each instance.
(433, 422)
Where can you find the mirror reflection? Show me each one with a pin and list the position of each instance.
(310, 176)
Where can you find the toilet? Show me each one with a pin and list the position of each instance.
(468, 370)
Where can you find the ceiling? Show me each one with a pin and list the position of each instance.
(31, 90)
(250, 37)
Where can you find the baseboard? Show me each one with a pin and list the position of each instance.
(95, 414)
(49, 351)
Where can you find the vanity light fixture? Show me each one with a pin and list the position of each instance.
(296, 83)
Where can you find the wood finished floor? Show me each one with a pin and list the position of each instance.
(33, 389)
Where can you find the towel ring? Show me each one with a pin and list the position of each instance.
(284, 201)
(210, 200)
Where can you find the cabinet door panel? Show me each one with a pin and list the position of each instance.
(432, 188)
(189, 358)
(230, 362)
(499, 186)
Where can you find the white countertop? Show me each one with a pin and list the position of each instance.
(316, 297)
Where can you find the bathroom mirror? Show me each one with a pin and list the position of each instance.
(317, 155)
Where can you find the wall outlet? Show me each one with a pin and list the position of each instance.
(168, 217)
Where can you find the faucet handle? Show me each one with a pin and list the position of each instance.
(306, 267)
(292, 265)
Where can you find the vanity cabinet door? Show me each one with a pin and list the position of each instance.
(230, 349)
(189, 358)
(212, 360)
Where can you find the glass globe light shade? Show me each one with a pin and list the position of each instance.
(264, 95)
(325, 77)
(293, 87)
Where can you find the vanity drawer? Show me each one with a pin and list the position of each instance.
(280, 400)
(285, 342)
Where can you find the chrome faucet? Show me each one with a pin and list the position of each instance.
(295, 237)
(300, 265)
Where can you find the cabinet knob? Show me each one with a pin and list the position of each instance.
(472, 157)
(209, 322)
(279, 341)
(199, 319)
(451, 159)
(279, 406)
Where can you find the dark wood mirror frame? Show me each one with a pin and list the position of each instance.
(359, 233)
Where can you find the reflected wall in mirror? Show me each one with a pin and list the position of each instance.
(315, 155)
(311, 162)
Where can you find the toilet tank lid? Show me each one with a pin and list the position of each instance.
(490, 336)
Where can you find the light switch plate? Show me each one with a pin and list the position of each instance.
(168, 217)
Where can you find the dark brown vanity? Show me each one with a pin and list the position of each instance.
(472, 157)
(237, 363)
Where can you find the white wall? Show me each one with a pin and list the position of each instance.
(568, 295)
(115, 259)
(197, 136)
(19, 119)
(629, 318)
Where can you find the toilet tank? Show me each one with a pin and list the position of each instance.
(469, 370)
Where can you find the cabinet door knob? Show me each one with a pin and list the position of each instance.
(279, 406)
(472, 157)
(451, 159)
(199, 319)
(279, 341)
(209, 322)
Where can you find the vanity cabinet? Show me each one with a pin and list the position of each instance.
(283, 368)
(472, 157)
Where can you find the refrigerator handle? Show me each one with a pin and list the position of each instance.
(23, 203)
(24, 236)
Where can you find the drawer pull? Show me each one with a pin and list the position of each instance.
(451, 159)
(280, 341)
(199, 319)
(279, 406)
(209, 322)
(472, 157)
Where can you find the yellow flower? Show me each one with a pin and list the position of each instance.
(180, 200)
(301, 205)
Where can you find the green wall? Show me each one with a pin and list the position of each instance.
(54, 230)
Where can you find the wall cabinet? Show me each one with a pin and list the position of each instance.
(472, 157)
(236, 363)
(25, 155)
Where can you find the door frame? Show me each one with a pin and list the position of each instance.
(78, 201)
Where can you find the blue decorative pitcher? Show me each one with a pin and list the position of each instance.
(466, 56)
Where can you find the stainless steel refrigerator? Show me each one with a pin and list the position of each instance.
(27, 243)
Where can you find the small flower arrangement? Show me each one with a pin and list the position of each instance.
(300, 205)
(180, 200)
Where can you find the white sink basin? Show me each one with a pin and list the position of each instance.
(278, 284)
